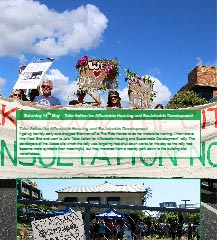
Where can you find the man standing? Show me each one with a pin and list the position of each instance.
(46, 98)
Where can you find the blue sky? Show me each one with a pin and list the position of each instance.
(165, 39)
(163, 190)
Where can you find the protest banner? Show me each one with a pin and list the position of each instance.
(121, 133)
(97, 74)
(140, 91)
(30, 76)
(36, 166)
(68, 226)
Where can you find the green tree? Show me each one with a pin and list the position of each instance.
(192, 218)
(147, 195)
(172, 217)
(162, 218)
(181, 218)
(185, 99)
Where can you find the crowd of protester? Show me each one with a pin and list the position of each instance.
(43, 95)
(116, 229)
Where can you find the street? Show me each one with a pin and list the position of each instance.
(209, 211)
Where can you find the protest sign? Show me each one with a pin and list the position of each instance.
(68, 226)
(140, 91)
(37, 166)
(30, 76)
(97, 74)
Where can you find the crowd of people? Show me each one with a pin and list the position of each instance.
(45, 97)
(116, 230)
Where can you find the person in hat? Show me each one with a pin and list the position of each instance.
(114, 100)
(81, 93)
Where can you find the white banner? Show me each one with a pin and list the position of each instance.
(68, 226)
(31, 76)
(11, 166)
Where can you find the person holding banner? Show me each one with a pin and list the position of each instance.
(47, 99)
(114, 100)
(81, 95)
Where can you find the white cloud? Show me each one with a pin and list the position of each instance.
(124, 97)
(163, 93)
(211, 63)
(27, 26)
(63, 86)
(2, 84)
(154, 71)
(200, 62)
(22, 60)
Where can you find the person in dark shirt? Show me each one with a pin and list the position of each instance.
(33, 94)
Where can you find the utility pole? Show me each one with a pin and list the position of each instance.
(185, 202)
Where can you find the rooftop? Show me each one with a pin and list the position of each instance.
(106, 187)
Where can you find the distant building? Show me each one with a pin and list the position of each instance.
(174, 205)
(188, 205)
(168, 205)
(203, 81)
(27, 189)
(106, 193)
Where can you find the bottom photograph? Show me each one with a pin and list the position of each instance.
(99, 208)
(209, 208)
(8, 209)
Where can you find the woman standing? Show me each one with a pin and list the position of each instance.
(16, 93)
(114, 100)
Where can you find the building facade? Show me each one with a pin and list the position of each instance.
(27, 189)
(106, 193)
(175, 205)
(203, 81)
(188, 205)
